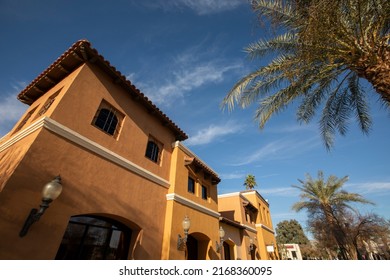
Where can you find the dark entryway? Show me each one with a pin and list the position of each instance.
(94, 238)
(192, 248)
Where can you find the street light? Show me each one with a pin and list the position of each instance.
(181, 241)
(221, 236)
(49, 193)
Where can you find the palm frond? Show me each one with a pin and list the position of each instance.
(274, 104)
(247, 90)
(358, 102)
(325, 47)
(285, 43)
(276, 11)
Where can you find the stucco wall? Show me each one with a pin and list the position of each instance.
(79, 105)
(91, 184)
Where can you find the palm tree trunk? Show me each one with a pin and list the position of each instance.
(378, 74)
(338, 233)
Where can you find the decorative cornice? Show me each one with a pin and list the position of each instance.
(266, 228)
(257, 194)
(249, 228)
(86, 143)
(196, 158)
(193, 205)
(21, 134)
(234, 194)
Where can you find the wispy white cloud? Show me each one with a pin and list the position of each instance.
(279, 149)
(286, 215)
(231, 176)
(184, 79)
(11, 109)
(292, 128)
(200, 7)
(280, 191)
(213, 133)
(203, 7)
(200, 65)
(377, 188)
(269, 175)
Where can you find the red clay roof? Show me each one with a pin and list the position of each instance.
(78, 54)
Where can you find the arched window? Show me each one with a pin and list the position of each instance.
(106, 120)
(94, 238)
(152, 151)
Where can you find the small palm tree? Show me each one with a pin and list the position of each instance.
(326, 197)
(327, 47)
(250, 182)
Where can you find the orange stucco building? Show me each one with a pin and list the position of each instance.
(127, 180)
(248, 225)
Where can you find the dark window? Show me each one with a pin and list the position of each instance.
(94, 238)
(24, 121)
(204, 192)
(106, 120)
(48, 103)
(191, 185)
(152, 151)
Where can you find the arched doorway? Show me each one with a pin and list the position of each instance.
(197, 245)
(94, 238)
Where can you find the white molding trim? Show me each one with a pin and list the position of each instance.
(234, 194)
(266, 228)
(21, 134)
(86, 143)
(193, 205)
(249, 228)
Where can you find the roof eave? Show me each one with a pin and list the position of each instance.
(79, 53)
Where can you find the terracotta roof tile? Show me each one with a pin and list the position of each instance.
(78, 54)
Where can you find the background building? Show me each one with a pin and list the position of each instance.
(249, 223)
(291, 252)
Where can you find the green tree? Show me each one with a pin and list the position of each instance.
(327, 199)
(322, 51)
(250, 182)
(290, 232)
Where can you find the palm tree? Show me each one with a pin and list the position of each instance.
(250, 182)
(327, 198)
(327, 48)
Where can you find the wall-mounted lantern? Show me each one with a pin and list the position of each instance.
(221, 236)
(49, 193)
(251, 246)
(181, 241)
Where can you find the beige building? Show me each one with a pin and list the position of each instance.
(291, 251)
(246, 217)
(130, 188)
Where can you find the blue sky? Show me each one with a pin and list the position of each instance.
(185, 55)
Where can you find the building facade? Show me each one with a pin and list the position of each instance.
(247, 218)
(128, 182)
(291, 251)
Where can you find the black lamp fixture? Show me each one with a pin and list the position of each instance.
(49, 193)
(251, 246)
(181, 241)
(221, 236)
